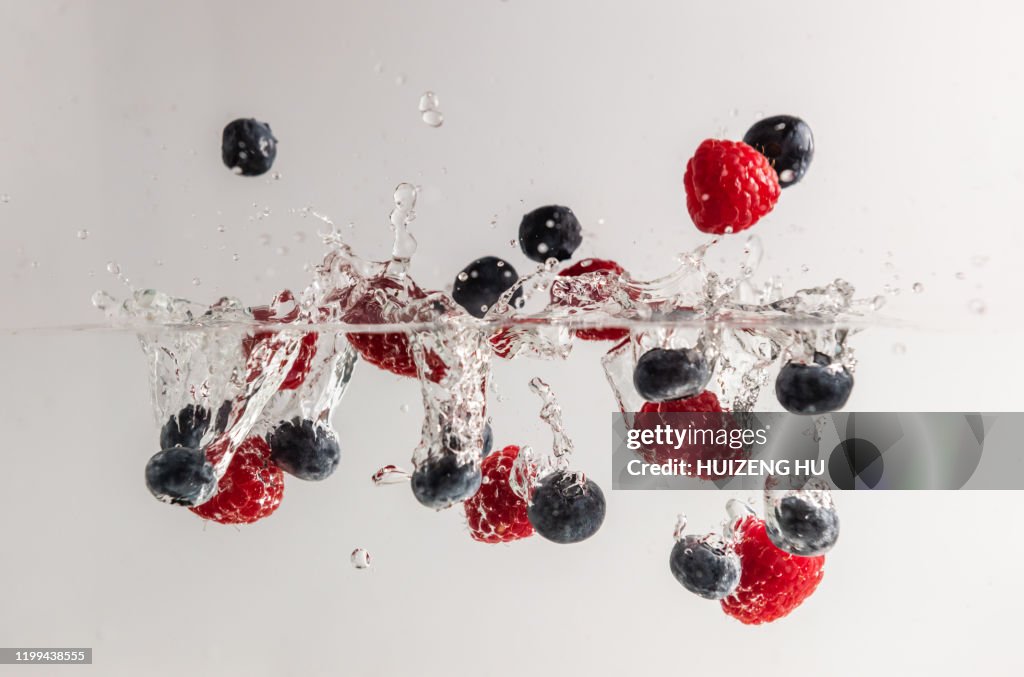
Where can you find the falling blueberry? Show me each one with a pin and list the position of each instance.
(788, 144)
(565, 510)
(704, 568)
(481, 284)
(444, 480)
(802, 526)
(304, 449)
(181, 476)
(186, 428)
(550, 232)
(248, 147)
(816, 388)
(664, 374)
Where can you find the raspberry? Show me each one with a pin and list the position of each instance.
(690, 454)
(772, 582)
(596, 266)
(729, 185)
(250, 490)
(495, 513)
(389, 351)
(307, 346)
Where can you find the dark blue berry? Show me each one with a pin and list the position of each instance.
(444, 480)
(550, 232)
(664, 374)
(704, 569)
(186, 428)
(788, 144)
(565, 511)
(816, 388)
(248, 146)
(304, 449)
(481, 284)
(453, 442)
(801, 526)
(181, 476)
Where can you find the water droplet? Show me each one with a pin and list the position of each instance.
(300, 236)
(5, 198)
(234, 257)
(282, 251)
(786, 175)
(899, 349)
(977, 306)
(429, 101)
(102, 300)
(390, 474)
(434, 118)
(400, 79)
(677, 534)
(83, 234)
(463, 277)
(265, 239)
(113, 268)
(360, 559)
(961, 276)
(542, 248)
(404, 408)
(877, 303)
(221, 228)
(196, 281)
(918, 287)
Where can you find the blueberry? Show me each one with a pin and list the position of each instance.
(816, 388)
(452, 441)
(550, 232)
(186, 428)
(444, 480)
(564, 511)
(304, 449)
(800, 526)
(665, 374)
(248, 146)
(181, 476)
(481, 284)
(703, 569)
(788, 144)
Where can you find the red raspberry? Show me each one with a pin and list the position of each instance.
(772, 582)
(596, 266)
(495, 513)
(390, 351)
(729, 184)
(706, 402)
(250, 490)
(307, 347)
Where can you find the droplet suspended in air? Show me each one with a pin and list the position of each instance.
(360, 558)
(83, 234)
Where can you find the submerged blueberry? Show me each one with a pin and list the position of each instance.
(304, 449)
(445, 480)
(186, 428)
(664, 374)
(564, 510)
(704, 569)
(801, 526)
(816, 388)
(181, 476)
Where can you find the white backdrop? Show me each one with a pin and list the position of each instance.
(110, 122)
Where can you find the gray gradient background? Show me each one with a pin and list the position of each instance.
(110, 120)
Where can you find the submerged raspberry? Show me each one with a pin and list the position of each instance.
(772, 582)
(250, 490)
(389, 351)
(496, 514)
(607, 268)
